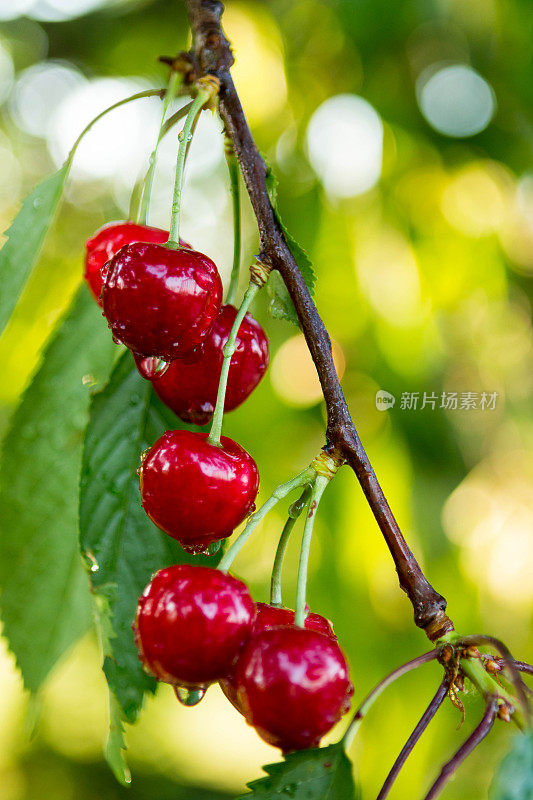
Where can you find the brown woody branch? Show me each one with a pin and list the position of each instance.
(211, 55)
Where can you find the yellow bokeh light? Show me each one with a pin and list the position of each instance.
(490, 516)
(475, 200)
(388, 275)
(256, 41)
(293, 373)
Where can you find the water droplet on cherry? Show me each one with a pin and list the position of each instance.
(213, 548)
(190, 697)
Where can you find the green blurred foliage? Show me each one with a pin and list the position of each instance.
(424, 281)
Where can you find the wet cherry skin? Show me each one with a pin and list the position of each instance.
(158, 301)
(191, 624)
(269, 616)
(107, 241)
(293, 685)
(195, 491)
(190, 389)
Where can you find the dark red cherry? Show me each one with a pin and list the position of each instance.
(107, 241)
(195, 491)
(268, 616)
(160, 302)
(293, 685)
(191, 624)
(190, 389)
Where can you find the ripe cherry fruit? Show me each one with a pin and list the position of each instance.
(158, 301)
(191, 624)
(190, 389)
(293, 685)
(195, 491)
(107, 241)
(267, 617)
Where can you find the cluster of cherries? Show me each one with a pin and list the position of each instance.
(197, 625)
(164, 304)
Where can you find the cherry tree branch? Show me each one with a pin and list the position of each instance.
(211, 55)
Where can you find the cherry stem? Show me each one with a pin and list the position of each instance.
(233, 168)
(228, 351)
(304, 478)
(424, 721)
(138, 192)
(139, 96)
(294, 512)
(504, 651)
(149, 178)
(196, 106)
(316, 494)
(475, 671)
(372, 696)
(521, 666)
(477, 736)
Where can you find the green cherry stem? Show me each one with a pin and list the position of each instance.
(139, 191)
(228, 351)
(149, 178)
(233, 168)
(294, 512)
(196, 106)
(304, 478)
(317, 491)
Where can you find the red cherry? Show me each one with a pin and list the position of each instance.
(190, 389)
(107, 241)
(191, 624)
(195, 491)
(293, 685)
(160, 302)
(268, 617)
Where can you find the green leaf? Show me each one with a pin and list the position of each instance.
(514, 778)
(25, 239)
(115, 752)
(281, 304)
(122, 547)
(324, 773)
(44, 592)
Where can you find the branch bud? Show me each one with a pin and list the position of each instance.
(259, 272)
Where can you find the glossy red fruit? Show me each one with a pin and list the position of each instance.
(191, 624)
(195, 491)
(107, 241)
(267, 617)
(190, 389)
(160, 302)
(293, 685)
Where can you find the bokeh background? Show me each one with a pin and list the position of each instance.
(402, 135)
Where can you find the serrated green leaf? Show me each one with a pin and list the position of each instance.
(514, 778)
(115, 752)
(323, 773)
(281, 304)
(25, 239)
(115, 749)
(122, 547)
(44, 592)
